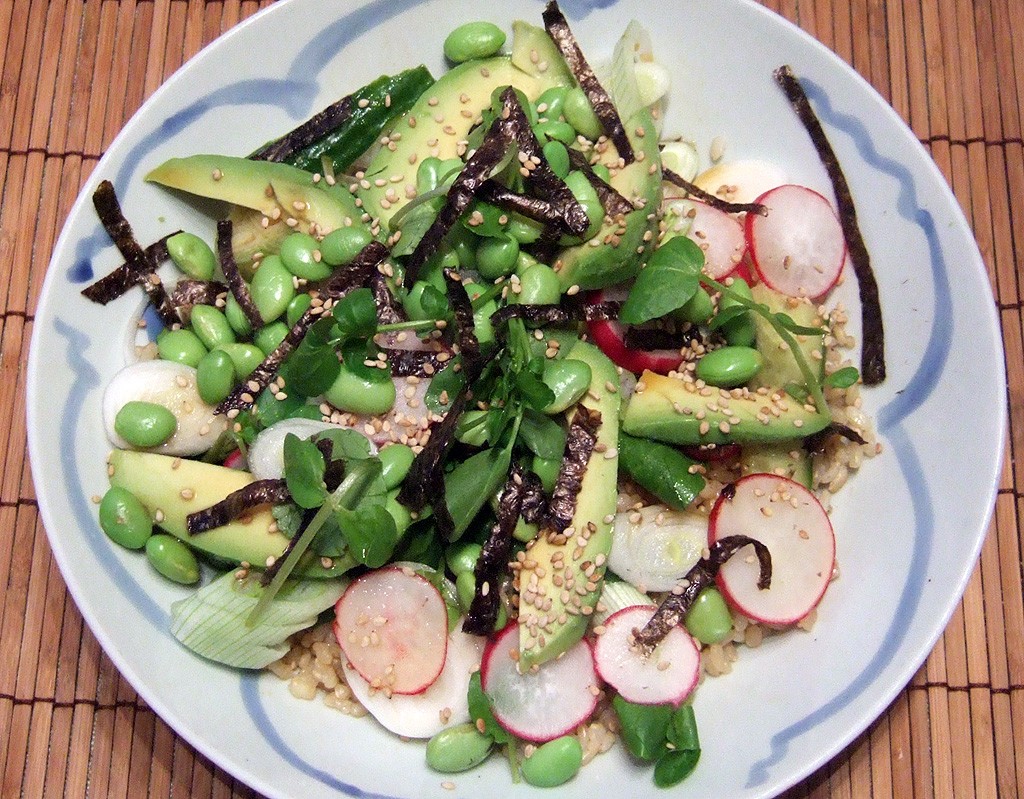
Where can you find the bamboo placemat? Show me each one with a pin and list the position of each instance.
(72, 72)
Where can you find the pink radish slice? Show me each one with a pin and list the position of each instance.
(789, 520)
(443, 704)
(392, 626)
(798, 249)
(720, 236)
(543, 705)
(668, 674)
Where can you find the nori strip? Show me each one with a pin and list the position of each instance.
(344, 279)
(462, 309)
(389, 310)
(653, 338)
(815, 444)
(674, 608)
(412, 363)
(125, 277)
(226, 255)
(531, 207)
(492, 564)
(109, 210)
(190, 292)
(558, 314)
(613, 203)
(579, 444)
(535, 502)
(711, 199)
(872, 361)
(310, 131)
(236, 503)
(558, 29)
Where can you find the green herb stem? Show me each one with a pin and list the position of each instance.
(423, 324)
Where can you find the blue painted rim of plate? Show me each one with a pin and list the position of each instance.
(295, 94)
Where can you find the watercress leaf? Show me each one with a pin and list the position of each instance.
(355, 314)
(790, 324)
(314, 366)
(470, 484)
(356, 354)
(270, 410)
(668, 282)
(371, 533)
(644, 728)
(422, 544)
(542, 435)
(435, 303)
(330, 541)
(797, 391)
(304, 472)
(675, 766)
(533, 390)
(726, 315)
(480, 709)
(842, 378)
(484, 219)
(346, 444)
(415, 223)
(288, 516)
(449, 381)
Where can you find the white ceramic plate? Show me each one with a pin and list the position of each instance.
(909, 526)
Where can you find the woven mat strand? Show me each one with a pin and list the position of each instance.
(72, 72)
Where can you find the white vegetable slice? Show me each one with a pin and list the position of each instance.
(172, 385)
(545, 704)
(667, 675)
(266, 455)
(792, 524)
(657, 549)
(443, 704)
(720, 236)
(740, 181)
(392, 626)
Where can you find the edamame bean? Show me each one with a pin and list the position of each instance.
(557, 157)
(124, 519)
(463, 244)
(428, 175)
(602, 172)
(192, 255)
(554, 130)
(587, 197)
(342, 245)
(172, 559)
(215, 376)
(355, 394)
(301, 256)
(462, 557)
(268, 338)
(547, 470)
(458, 748)
(272, 288)
(580, 114)
(740, 331)
(395, 460)
(523, 229)
(554, 763)
(497, 257)
(698, 308)
(549, 104)
(245, 357)
(568, 380)
(211, 326)
(181, 346)
(539, 285)
(729, 367)
(709, 620)
(236, 316)
(524, 531)
(482, 327)
(296, 308)
(473, 40)
(465, 589)
(471, 428)
(413, 301)
(145, 424)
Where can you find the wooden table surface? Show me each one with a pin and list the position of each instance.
(72, 72)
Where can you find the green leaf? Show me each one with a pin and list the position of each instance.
(491, 226)
(474, 481)
(682, 733)
(288, 516)
(450, 380)
(726, 315)
(842, 378)
(356, 353)
(797, 391)
(644, 727)
(355, 315)
(674, 767)
(304, 472)
(371, 533)
(668, 282)
(271, 411)
(787, 321)
(415, 223)
(480, 708)
(542, 435)
(434, 303)
(314, 366)
(532, 388)
(212, 621)
(346, 444)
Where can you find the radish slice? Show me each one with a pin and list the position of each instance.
(392, 626)
(610, 337)
(443, 704)
(667, 674)
(789, 520)
(720, 236)
(798, 249)
(542, 705)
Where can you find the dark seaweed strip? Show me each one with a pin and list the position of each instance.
(872, 361)
(535, 502)
(110, 287)
(613, 203)
(413, 363)
(558, 29)
(676, 605)
(389, 311)
(815, 443)
(652, 338)
(109, 210)
(425, 481)
(239, 290)
(316, 127)
(711, 199)
(492, 565)
(334, 471)
(558, 314)
(344, 279)
(579, 444)
(197, 292)
(236, 503)
(462, 308)
(531, 207)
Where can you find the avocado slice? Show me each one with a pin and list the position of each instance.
(786, 460)
(677, 411)
(557, 595)
(158, 482)
(261, 190)
(622, 243)
(780, 367)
